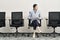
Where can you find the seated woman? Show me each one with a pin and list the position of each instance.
(34, 16)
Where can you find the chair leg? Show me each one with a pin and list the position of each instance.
(16, 32)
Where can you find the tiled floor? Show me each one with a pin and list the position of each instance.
(28, 38)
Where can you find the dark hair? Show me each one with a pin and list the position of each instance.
(34, 5)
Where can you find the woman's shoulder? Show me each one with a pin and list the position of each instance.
(31, 11)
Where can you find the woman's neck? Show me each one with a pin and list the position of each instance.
(35, 11)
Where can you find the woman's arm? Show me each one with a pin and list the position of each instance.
(30, 15)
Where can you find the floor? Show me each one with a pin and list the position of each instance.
(29, 38)
(44, 28)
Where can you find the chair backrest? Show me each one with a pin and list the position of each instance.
(17, 15)
(2, 19)
(54, 18)
(17, 18)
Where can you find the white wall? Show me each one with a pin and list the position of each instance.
(25, 5)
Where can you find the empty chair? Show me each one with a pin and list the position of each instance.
(2, 19)
(54, 20)
(17, 20)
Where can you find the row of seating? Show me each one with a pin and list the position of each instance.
(18, 21)
(15, 21)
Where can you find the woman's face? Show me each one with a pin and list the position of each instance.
(36, 8)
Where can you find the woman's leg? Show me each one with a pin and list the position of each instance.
(34, 24)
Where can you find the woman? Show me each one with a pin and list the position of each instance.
(34, 16)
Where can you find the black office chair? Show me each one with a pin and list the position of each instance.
(2, 19)
(17, 20)
(30, 25)
(54, 20)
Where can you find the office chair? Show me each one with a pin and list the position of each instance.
(54, 20)
(17, 20)
(2, 19)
